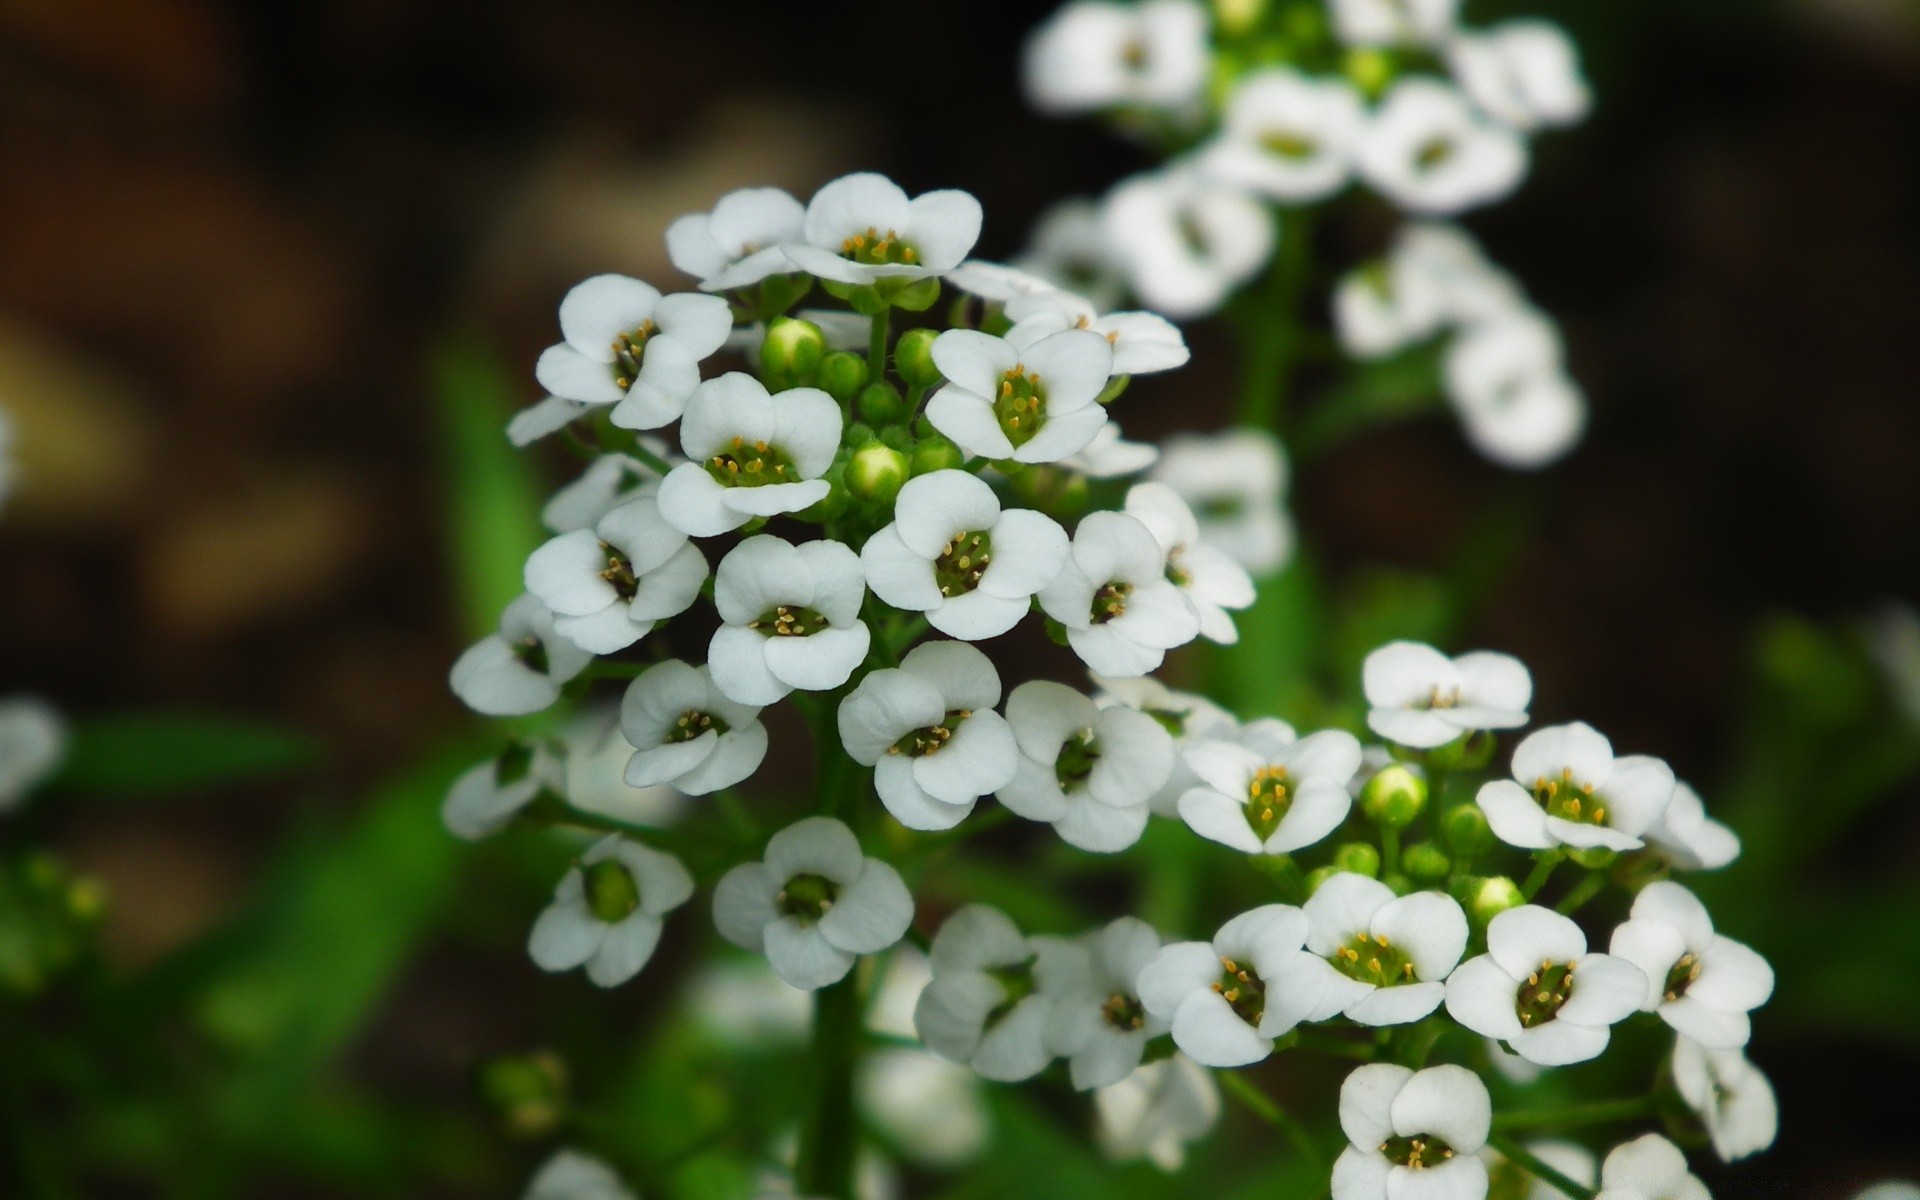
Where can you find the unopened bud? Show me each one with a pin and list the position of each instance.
(913, 358)
(1427, 862)
(1361, 858)
(875, 473)
(880, 403)
(1058, 493)
(1468, 752)
(1394, 797)
(916, 296)
(841, 375)
(1487, 898)
(1465, 829)
(1237, 17)
(790, 356)
(935, 453)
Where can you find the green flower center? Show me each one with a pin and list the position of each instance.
(1268, 799)
(1569, 800)
(693, 723)
(806, 898)
(874, 248)
(1078, 756)
(629, 349)
(929, 738)
(1373, 959)
(790, 620)
(1110, 601)
(612, 891)
(1243, 990)
(1018, 982)
(1288, 143)
(1681, 977)
(1416, 1153)
(962, 562)
(1020, 406)
(619, 573)
(752, 466)
(1431, 155)
(1541, 996)
(532, 653)
(1124, 1012)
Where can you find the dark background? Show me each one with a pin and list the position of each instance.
(231, 236)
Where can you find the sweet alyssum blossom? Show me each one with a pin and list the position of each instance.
(1376, 958)
(686, 732)
(751, 454)
(1428, 151)
(1087, 770)
(1143, 343)
(1568, 789)
(1525, 73)
(1412, 1135)
(1538, 989)
(1097, 1022)
(813, 904)
(1287, 136)
(1187, 716)
(862, 228)
(1092, 54)
(1120, 611)
(1154, 1112)
(1208, 577)
(607, 587)
(741, 241)
(791, 619)
(1423, 699)
(607, 911)
(1266, 791)
(1394, 22)
(33, 741)
(1688, 838)
(1700, 982)
(982, 1007)
(928, 730)
(1032, 403)
(1506, 381)
(1234, 483)
(1734, 1098)
(629, 346)
(487, 796)
(953, 553)
(609, 481)
(1649, 1168)
(1214, 994)
(520, 669)
(1185, 242)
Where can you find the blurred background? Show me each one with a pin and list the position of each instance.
(272, 274)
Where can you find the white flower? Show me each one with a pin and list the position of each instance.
(1234, 482)
(1649, 1168)
(1287, 136)
(33, 741)
(1092, 55)
(1120, 611)
(1376, 958)
(1426, 150)
(1688, 838)
(1413, 1135)
(1032, 403)
(607, 587)
(607, 911)
(862, 228)
(1701, 983)
(813, 904)
(1572, 791)
(1474, 289)
(486, 797)
(1108, 456)
(982, 1008)
(1733, 1097)
(954, 554)
(931, 1109)
(1215, 994)
(1154, 1112)
(1097, 1022)
(629, 346)
(1505, 378)
(520, 669)
(1387, 306)
(609, 481)
(791, 619)
(686, 732)
(1087, 770)
(595, 760)
(1526, 73)
(740, 242)
(1142, 342)
(1394, 22)
(1539, 990)
(1510, 1181)
(1423, 699)
(1067, 246)
(1185, 242)
(1187, 716)
(752, 454)
(571, 1175)
(1264, 792)
(1210, 579)
(928, 730)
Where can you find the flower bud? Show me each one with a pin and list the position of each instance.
(1487, 898)
(1236, 18)
(1394, 797)
(935, 453)
(875, 473)
(1397, 882)
(913, 358)
(1058, 493)
(880, 403)
(527, 1091)
(841, 375)
(1361, 858)
(1371, 71)
(1468, 752)
(915, 296)
(1427, 862)
(790, 356)
(1466, 831)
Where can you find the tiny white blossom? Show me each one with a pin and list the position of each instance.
(1032, 403)
(741, 241)
(607, 911)
(1097, 1022)
(1109, 456)
(1264, 791)
(1215, 993)
(1386, 306)
(33, 741)
(928, 730)
(1120, 611)
(487, 796)
(609, 481)
(1092, 54)
(1510, 1181)
(1649, 1168)
(1234, 482)
(861, 228)
(813, 904)
(1067, 247)
(1211, 580)
(1423, 699)
(595, 757)
(981, 1007)
(1143, 343)
(608, 586)
(1187, 716)
(1394, 22)
(1506, 379)
(1525, 73)
(520, 669)
(1688, 838)
(1184, 242)
(1428, 151)
(1538, 989)
(1568, 789)
(1376, 958)
(1413, 1135)
(1702, 983)
(1475, 288)
(791, 619)
(1287, 136)
(1154, 1112)
(1733, 1097)
(629, 346)
(750, 454)
(571, 1175)
(954, 554)
(686, 732)
(1089, 771)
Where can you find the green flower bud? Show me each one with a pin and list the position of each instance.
(841, 375)
(1237, 17)
(1394, 797)
(1370, 70)
(880, 403)
(1465, 829)
(1427, 862)
(1487, 898)
(528, 1092)
(1361, 858)
(916, 295)
(935, 453)
(1399, 882)
(913, 358)
(876, 472)
(1468, 752)
(1058, 493)
(790, 356)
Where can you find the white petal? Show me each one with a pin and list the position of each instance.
(743, 905)
(872, 913)
(1446, 1100)
(1483, 997)
(803, 957)
(564, 936)
(1521, 939)
(1208, 1031)
(815, 846)
(1218, 818)
(626, 948)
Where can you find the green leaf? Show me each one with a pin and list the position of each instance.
(142, 755)
(1375, 394)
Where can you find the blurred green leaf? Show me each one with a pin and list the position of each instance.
(1383, 604)
(1374, 394)
(1270, 672)
(159, 754)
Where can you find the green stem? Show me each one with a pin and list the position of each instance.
(1268, 1109)
(877, 345)
(1597, 1112)
(1389, 851)
(1531, 1163)
(1271, 326)
(1584, 891)
(648, 457)
(824, 1167)
(1543, 866)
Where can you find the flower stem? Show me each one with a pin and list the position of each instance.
(1543, 866)
(877, 345)
(1597, 1112)
(824, 1167)
(1533, 1166)
(1271, 326)
(1389, 850)
(1268, 1109)
(1584, 891)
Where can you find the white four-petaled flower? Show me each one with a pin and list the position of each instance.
(1734, 1098)
(1649, 1168)
(1394, 22)
(1701, 983)
(607, 911)
(1214, 994)
(520, 669)
(629, 346)
(1287, 136)
(1376, 958)
(1185, 242)
(1506, 379)
(862, 228)
(791, 619)
(686, 732)
(608, 586)
(1096, 1020)
(1087, 770)
(1412, 1135)
(982, 1007)
(1539, 990)
(1092, 54)
(484, 798)
(1120, 611)
(1032, 402)
(1525, 73)
(1143, 342)
(571, 1175)
(751, 454)
(739, 243)
(1428, 151)
(1264, 791)
(1568, 789)
(1423, 699)
(1211, 580)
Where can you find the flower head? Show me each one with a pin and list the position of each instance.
(607, 911)
(1412, 1135)
(1264, 791)
(1215, 994)
(629, 346)
(791, 619)
(607, 587)
(1394, 22)
(1423, 699)
(1649, 1168)
(1185, 242)
(1092, 54)
(686, 732)
(739, 243)
(1701, 983)
(571, 1175)
(1120, 611)
(1087, 770)
(520, 669)
(1032, 402)
(1067, 247)
(1287, 136)
(1506, 380)
(1376, 958)
(1097, 1022)
(1568, 789)
(751, 454)
(1525, 73)
(1539, 990)
(861, 228)
(1425, 149)
(1143, 343)
(1733, 1097)
(982, 1006)
(485, 798)
(1211, 580)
